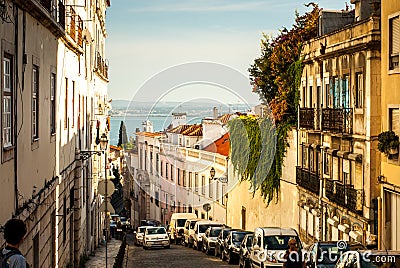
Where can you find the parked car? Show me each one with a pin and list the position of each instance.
(113, 228)
(177, 224)
(327, 253)
(369, 259)
(154, 223)
(139, 235)
(232, 246)
(270, 245)
(210, 239)
(244, 253)
(219, 245)
(200, 228)
(155, 237)
(188, 232)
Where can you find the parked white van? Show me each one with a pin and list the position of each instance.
(270, 245)
(188, 232)
(199, 229)
(177, 224)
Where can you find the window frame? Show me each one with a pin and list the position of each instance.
(53, 81)
(35, 102)
(391, 53)
(7, 94)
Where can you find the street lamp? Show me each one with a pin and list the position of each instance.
(223, 179)
(103, 147)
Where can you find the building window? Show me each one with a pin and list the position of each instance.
(359, 90)
(184, 178)
(223, 194)
(394, 43)
(210, 188)
(190, 180)
(157, 163)
(35, 102)
(73, 103)
(310, 97)
(172, 172)
(196, 182)
(162, 167)
(8, 117)
(326, 164)
(157, 197)
(203, 185)
(151, 163)
(166, 170)
(179, 176)
(52, 103)
(66, 104)
(394, 125)
(36, 251)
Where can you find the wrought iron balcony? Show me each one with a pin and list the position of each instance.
(307, 180)
(306, 116)
(344, 195)
(45, 11)
(337, 120)
(101, 66)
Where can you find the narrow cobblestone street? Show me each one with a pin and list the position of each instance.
(176, 256)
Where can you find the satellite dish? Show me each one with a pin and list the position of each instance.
(207, 207)
(101, 188)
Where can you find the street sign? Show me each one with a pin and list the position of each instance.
(207, 207)
(108, 209)
(101, 188)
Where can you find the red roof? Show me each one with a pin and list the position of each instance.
(220, 146)
(149, 134)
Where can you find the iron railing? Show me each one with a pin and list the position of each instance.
(306, 118)
(307, 180)
(344, 195)
(337, 120)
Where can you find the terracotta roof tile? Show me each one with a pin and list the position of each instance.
(149, 134)
(220, 146)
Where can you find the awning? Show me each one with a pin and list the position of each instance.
(355, 157)
(334, 222)
(343, 154)
(344, 228)
(332, 151)
(356, 235)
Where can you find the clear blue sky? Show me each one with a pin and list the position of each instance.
(146, 37)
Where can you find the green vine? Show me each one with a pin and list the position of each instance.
(276, 77)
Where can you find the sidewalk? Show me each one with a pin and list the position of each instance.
(99, 258)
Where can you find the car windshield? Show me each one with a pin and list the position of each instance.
(192, 224)
(203, 228)
(278, 242)
(215, 232)
(237, 237)
(160, 230)
(142, 229)
(328, 254)
(249, 241)
(180, 222)
(225, 233)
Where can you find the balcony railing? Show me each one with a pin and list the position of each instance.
(101, 66)
(306, 117)
(307, 180)
(337, 120)
(344, 195)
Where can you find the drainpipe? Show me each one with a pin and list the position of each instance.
(15, 108)
(379, 222)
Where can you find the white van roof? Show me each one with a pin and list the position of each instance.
(183, 216)
(276, 231)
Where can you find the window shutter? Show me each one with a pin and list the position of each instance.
(395, 35)
(395, 121)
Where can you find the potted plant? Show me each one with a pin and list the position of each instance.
(388, 143)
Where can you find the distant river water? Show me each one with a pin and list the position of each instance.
(160, 122)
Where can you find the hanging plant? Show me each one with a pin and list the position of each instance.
(388, 143)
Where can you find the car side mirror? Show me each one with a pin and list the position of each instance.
(256, 247)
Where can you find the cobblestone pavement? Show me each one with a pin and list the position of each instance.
(176, 256)
(99, 259)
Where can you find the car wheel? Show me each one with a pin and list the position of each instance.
(207, 251)
(203, 248)
(167, 246)
(194, 246)
(146, 248)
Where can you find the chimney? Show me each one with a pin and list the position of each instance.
(215, 113)
(363, 8)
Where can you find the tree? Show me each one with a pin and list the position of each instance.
(275, 77)
(123, 138)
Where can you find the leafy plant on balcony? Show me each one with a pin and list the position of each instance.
(275, 77)
(388, 142)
